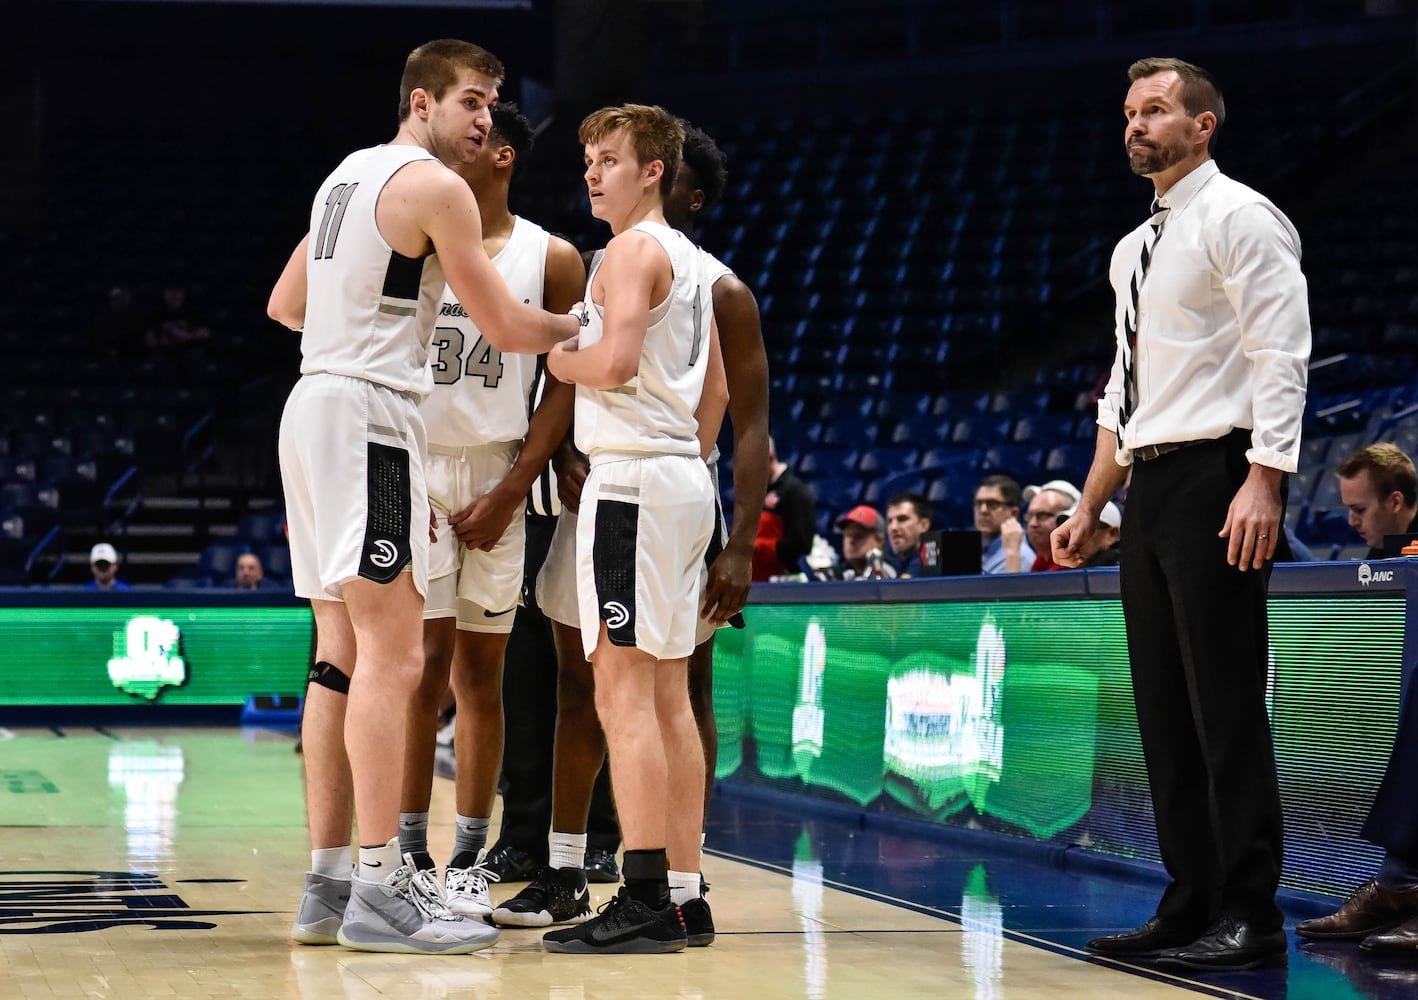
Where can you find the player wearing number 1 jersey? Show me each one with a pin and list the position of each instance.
(386, 228)
(479, 471)
(640, 367)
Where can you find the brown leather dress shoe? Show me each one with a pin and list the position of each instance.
(1371, 909)
(1401, 941)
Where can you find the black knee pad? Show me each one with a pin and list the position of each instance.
(327, 675)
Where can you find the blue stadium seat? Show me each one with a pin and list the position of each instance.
(828, 462)
(887, 461)
(922, 431)
(1022, 461)
(218, 561)
(837, 494)
(275, 561)
(981, 431)
(261, 529)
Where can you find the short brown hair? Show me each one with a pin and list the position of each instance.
(654, 133)
(1389, 468)
(1200, 91)
(435, 67)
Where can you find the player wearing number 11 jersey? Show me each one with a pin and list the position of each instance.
(479, 472)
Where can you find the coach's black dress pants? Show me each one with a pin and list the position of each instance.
(1199, 654)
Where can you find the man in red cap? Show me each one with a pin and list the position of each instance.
(863, 543)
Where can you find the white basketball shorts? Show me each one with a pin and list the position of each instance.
(478, 588)
(352, 467)
(641, 536)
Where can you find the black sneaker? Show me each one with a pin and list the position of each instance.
(622, 926)
(556, 896)
(698, 922)
(600, 866)
(511, 864)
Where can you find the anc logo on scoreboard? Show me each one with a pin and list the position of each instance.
(147, 657)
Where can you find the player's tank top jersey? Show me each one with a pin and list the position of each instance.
(714, 269)
(480, 394)
(369, 310)
(653, 413)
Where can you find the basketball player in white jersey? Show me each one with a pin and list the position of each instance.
(479, 472)
(386, 228)
(646, 516)
(555, 893)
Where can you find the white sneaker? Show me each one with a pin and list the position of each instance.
(322, 908)
(467, 889)
(404, 914)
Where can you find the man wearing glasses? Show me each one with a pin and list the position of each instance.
(997, 501)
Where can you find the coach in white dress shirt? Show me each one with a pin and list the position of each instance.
(1204, 406)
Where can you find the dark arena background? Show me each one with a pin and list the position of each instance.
(927, 788)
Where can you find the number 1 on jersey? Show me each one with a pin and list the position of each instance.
(335, 204)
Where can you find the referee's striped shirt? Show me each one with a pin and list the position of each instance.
(543, 499)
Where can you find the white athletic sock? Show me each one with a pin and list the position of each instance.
(332, 862)
(568, 850)
(684, 886)
(376, 864)
(701, 840)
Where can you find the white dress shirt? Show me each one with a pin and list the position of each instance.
(1223, 324)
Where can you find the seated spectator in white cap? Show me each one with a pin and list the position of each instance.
(103, 564)
(863, 545)
(1041, 517)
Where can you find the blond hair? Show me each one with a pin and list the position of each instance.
(654, 134)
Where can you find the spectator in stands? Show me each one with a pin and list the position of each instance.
(864, 545)
(1380, 488)
(908, 516)
(176, 323)
(997, 501)
(121, 328)
(249, 573)
(1041, 517)
(103, 564)
(787, 524)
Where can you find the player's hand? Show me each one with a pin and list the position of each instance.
(480, 524)
(726, 591)
(556, 358)
(1071, 540)
(571, 468)
(1253, 520)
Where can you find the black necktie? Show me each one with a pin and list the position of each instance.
(1139, 274)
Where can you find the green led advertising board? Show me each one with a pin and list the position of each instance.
(1017, 716)
(161, 655)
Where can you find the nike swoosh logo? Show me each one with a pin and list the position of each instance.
(496, 614)
(373, 864)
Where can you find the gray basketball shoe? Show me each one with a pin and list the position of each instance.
(406, 914)
(322, 908)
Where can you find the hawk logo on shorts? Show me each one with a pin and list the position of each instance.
(614, 614)
(384, 554)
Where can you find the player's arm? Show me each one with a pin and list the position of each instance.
(484, 521)
(627, 275)
(746, 373)
(287, 304)
(448, 213)
(714, 400)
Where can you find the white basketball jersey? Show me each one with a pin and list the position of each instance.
(369, 310)
(714, 268)
(653, 413)
(480, 394)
